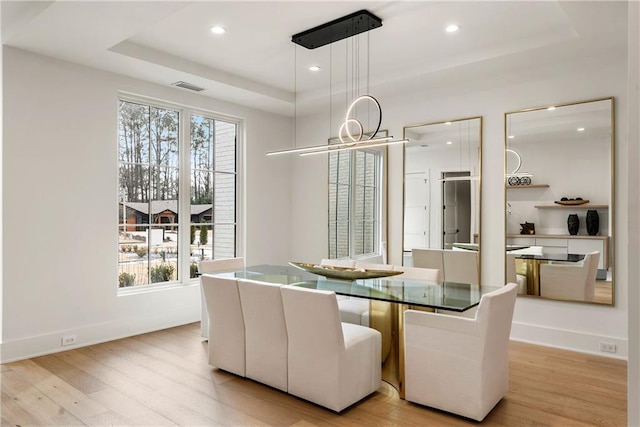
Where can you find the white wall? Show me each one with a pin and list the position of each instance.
(60, 218)
(569, 325)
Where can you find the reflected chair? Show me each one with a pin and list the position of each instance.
(419, 273)
(265, 333)
(461, 266)
(456, 364)
(214, 266)
(570, 281)
(428, 258)
(512, 275)
(330, 363)
(226, 324)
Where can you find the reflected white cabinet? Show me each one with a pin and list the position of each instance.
(566, 245)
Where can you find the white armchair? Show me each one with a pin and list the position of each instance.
(265, 333)
(573, 281)
(214, 266)
(332, 364)
(226, 332)
(456, 364)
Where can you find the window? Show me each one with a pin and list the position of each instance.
(355, 199)
(161, 234)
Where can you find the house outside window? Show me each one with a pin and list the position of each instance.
(355, 199)
(178, 192)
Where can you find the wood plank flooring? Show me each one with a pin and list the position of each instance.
(163, 379)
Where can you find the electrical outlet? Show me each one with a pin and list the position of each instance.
(69, 340)
(608, 347)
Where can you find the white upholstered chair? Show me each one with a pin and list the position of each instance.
(265, 333)
(456, 364)
(214, 266)
(428, 258)
(418, 273)
(330, 363)
(226, 325)
(352, 310)
(573, 281)
(461, 266)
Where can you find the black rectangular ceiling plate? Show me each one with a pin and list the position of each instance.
(338, 29)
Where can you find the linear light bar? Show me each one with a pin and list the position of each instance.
(325, 147)
(356, 147)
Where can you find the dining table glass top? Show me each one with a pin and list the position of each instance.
(553, 257)
(415, 292)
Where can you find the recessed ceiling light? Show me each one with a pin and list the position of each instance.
(449, 142)
(314, 68)
(580, 129)
(511, 136)
(551, 108)
(452, 28)
(447, 123)
(218, 30)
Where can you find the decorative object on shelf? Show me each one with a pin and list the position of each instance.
(593, 222)
(351, 133)
(343, 273)
(573, 224)
(528, 228)
(571, 202)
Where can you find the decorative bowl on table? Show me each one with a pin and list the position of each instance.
(343, 273)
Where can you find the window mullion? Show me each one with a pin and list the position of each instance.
(184, 195)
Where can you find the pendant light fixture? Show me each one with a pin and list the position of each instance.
(330, 32)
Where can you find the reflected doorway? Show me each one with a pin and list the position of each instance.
(456, 208)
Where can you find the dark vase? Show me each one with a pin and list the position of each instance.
(593, 222)
(573, 223)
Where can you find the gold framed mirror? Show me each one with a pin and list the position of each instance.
(442, 186)
(559, 183)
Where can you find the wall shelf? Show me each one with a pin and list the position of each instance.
(527, 186)
(572, 207)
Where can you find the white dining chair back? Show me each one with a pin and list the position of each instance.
(330, 363)
(265, 333)
(214, 266)
(461, 266)
(466, 371)
(419, 273)
(226, 324)
(572, 281)
(428, 258)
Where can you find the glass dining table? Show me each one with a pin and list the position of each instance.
(388, 298)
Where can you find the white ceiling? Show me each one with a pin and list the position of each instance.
(253, 63)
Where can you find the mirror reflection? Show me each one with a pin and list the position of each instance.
(559, 194)
(442, 190)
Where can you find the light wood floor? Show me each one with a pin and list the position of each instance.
(163, 379)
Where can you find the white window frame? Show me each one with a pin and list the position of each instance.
(184, 174)
(380, 200)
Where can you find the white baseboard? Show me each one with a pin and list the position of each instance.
(569, 340)
(26, 348)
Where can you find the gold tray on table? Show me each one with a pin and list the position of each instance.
(343, 272)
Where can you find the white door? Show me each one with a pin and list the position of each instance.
(456, 209)
(416, 211)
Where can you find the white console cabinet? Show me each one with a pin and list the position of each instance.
(565, 244)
